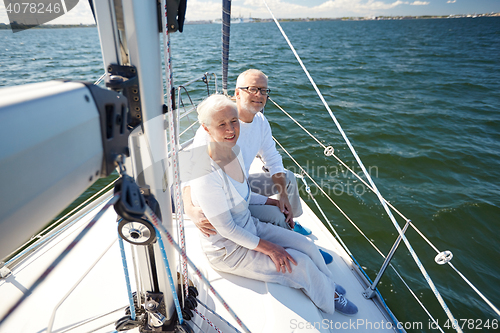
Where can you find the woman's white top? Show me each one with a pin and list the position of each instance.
(224, 202)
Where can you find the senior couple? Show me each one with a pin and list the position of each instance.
(244, 231)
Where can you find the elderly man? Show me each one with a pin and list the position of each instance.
(256, 139)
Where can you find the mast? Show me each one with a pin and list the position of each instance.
(129, 31)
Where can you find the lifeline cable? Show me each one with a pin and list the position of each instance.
(208, 321)
(66, 251)
(479, 293)
(360, 231)
(367, 175)
(55, 233)
(217, 315)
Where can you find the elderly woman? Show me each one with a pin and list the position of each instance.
(243, 245)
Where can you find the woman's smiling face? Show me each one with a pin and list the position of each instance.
(224, 126)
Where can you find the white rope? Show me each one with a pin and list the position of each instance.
(56, 223)
(331, 200)
(359, 230)
(295, 121)
(367, 175)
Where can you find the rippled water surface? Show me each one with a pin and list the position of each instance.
(419, 100)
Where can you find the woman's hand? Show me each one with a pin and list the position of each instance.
(201, 222)
(278, 255)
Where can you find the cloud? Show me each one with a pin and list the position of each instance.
(451, 1)
(203, 10)
(209, 10)
(358, 5)
(80, 14)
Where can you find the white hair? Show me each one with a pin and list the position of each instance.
(212, 104)
(241, 78)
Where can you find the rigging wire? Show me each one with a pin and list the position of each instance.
(217, 315)
(492, 306)
(367, 175)
(300, 176)
(58, 260)
(55, 224)
(208, 321)
(308, 190)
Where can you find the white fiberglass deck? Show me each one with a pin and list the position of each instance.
(269, 307)
(263, 307)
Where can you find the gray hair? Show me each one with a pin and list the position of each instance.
(241, 78)
(212, 104)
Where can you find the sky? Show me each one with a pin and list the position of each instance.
(211, 9)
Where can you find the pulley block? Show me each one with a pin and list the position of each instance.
(137, 232)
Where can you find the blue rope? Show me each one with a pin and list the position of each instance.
(169, 274)
(127, 278)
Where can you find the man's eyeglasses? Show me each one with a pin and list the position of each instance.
(255, 90)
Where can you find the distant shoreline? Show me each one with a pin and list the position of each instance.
(258, 20)
(52, 26)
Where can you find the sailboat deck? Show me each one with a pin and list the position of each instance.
(283, 309)
(263, 307)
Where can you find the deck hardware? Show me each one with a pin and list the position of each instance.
(126, 323)
(176, 11)
(155, 308)
(443, 257)
(370, 292)
(124, 79)
(132, 205)
(4, 271)
(137, 232)
(113, 109)
(329, 151)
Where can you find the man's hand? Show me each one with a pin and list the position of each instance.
(196, 214)
(287, 211)
(279, 180)
(286, 208)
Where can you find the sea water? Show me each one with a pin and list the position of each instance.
(418, 99)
